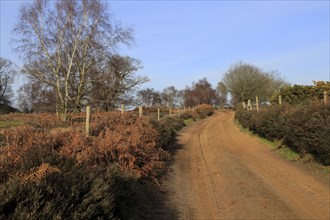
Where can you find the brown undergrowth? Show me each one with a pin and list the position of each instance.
(102, 175)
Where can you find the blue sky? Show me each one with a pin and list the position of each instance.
(182, 41)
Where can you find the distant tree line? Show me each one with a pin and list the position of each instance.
(198, 93)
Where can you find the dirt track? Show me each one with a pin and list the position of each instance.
(222, 173)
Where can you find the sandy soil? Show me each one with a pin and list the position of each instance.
(222, 173)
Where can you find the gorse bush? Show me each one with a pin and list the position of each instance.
(51, 170)
(302, 94)
(243, 117)
(204, 110)
(188, 115)
(305, 129)
(269, 122)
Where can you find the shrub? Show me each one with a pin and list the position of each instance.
(204, 110)
(243, 117)
(77, 192)
(187, 115)
(166, 133)
(175, 122)
(269, 122)
(302, 94)
(305, 129)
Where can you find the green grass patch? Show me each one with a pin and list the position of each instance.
(325, 169)
(277, 146)
(287, 153)
(284, 151)
(4, 124)
(273, 145)
(188, 121)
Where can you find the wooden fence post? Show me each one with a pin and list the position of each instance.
(158, 117)
(140, 111)
(88, 115)
(257, 102)
(122, 109)
(243, 104)
(170, 112)
(249, 105)
(325, 97)
(280, 100)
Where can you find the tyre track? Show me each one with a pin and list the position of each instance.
(207, 168)
(222, 173)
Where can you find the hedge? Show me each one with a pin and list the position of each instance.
(305, 129)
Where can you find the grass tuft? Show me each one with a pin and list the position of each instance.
(4, 124)
(188, 121)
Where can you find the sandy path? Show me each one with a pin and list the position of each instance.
(222, 173)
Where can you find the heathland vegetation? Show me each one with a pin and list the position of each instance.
(302, 122)
(51, 169)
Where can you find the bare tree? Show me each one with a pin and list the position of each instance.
(200, 93)
(180, 99)
(222, 93)
(245, 81)
(62, 43)
(36, 97)
(7, 72)
(115, 82)
(149, 97)
(170, 96)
